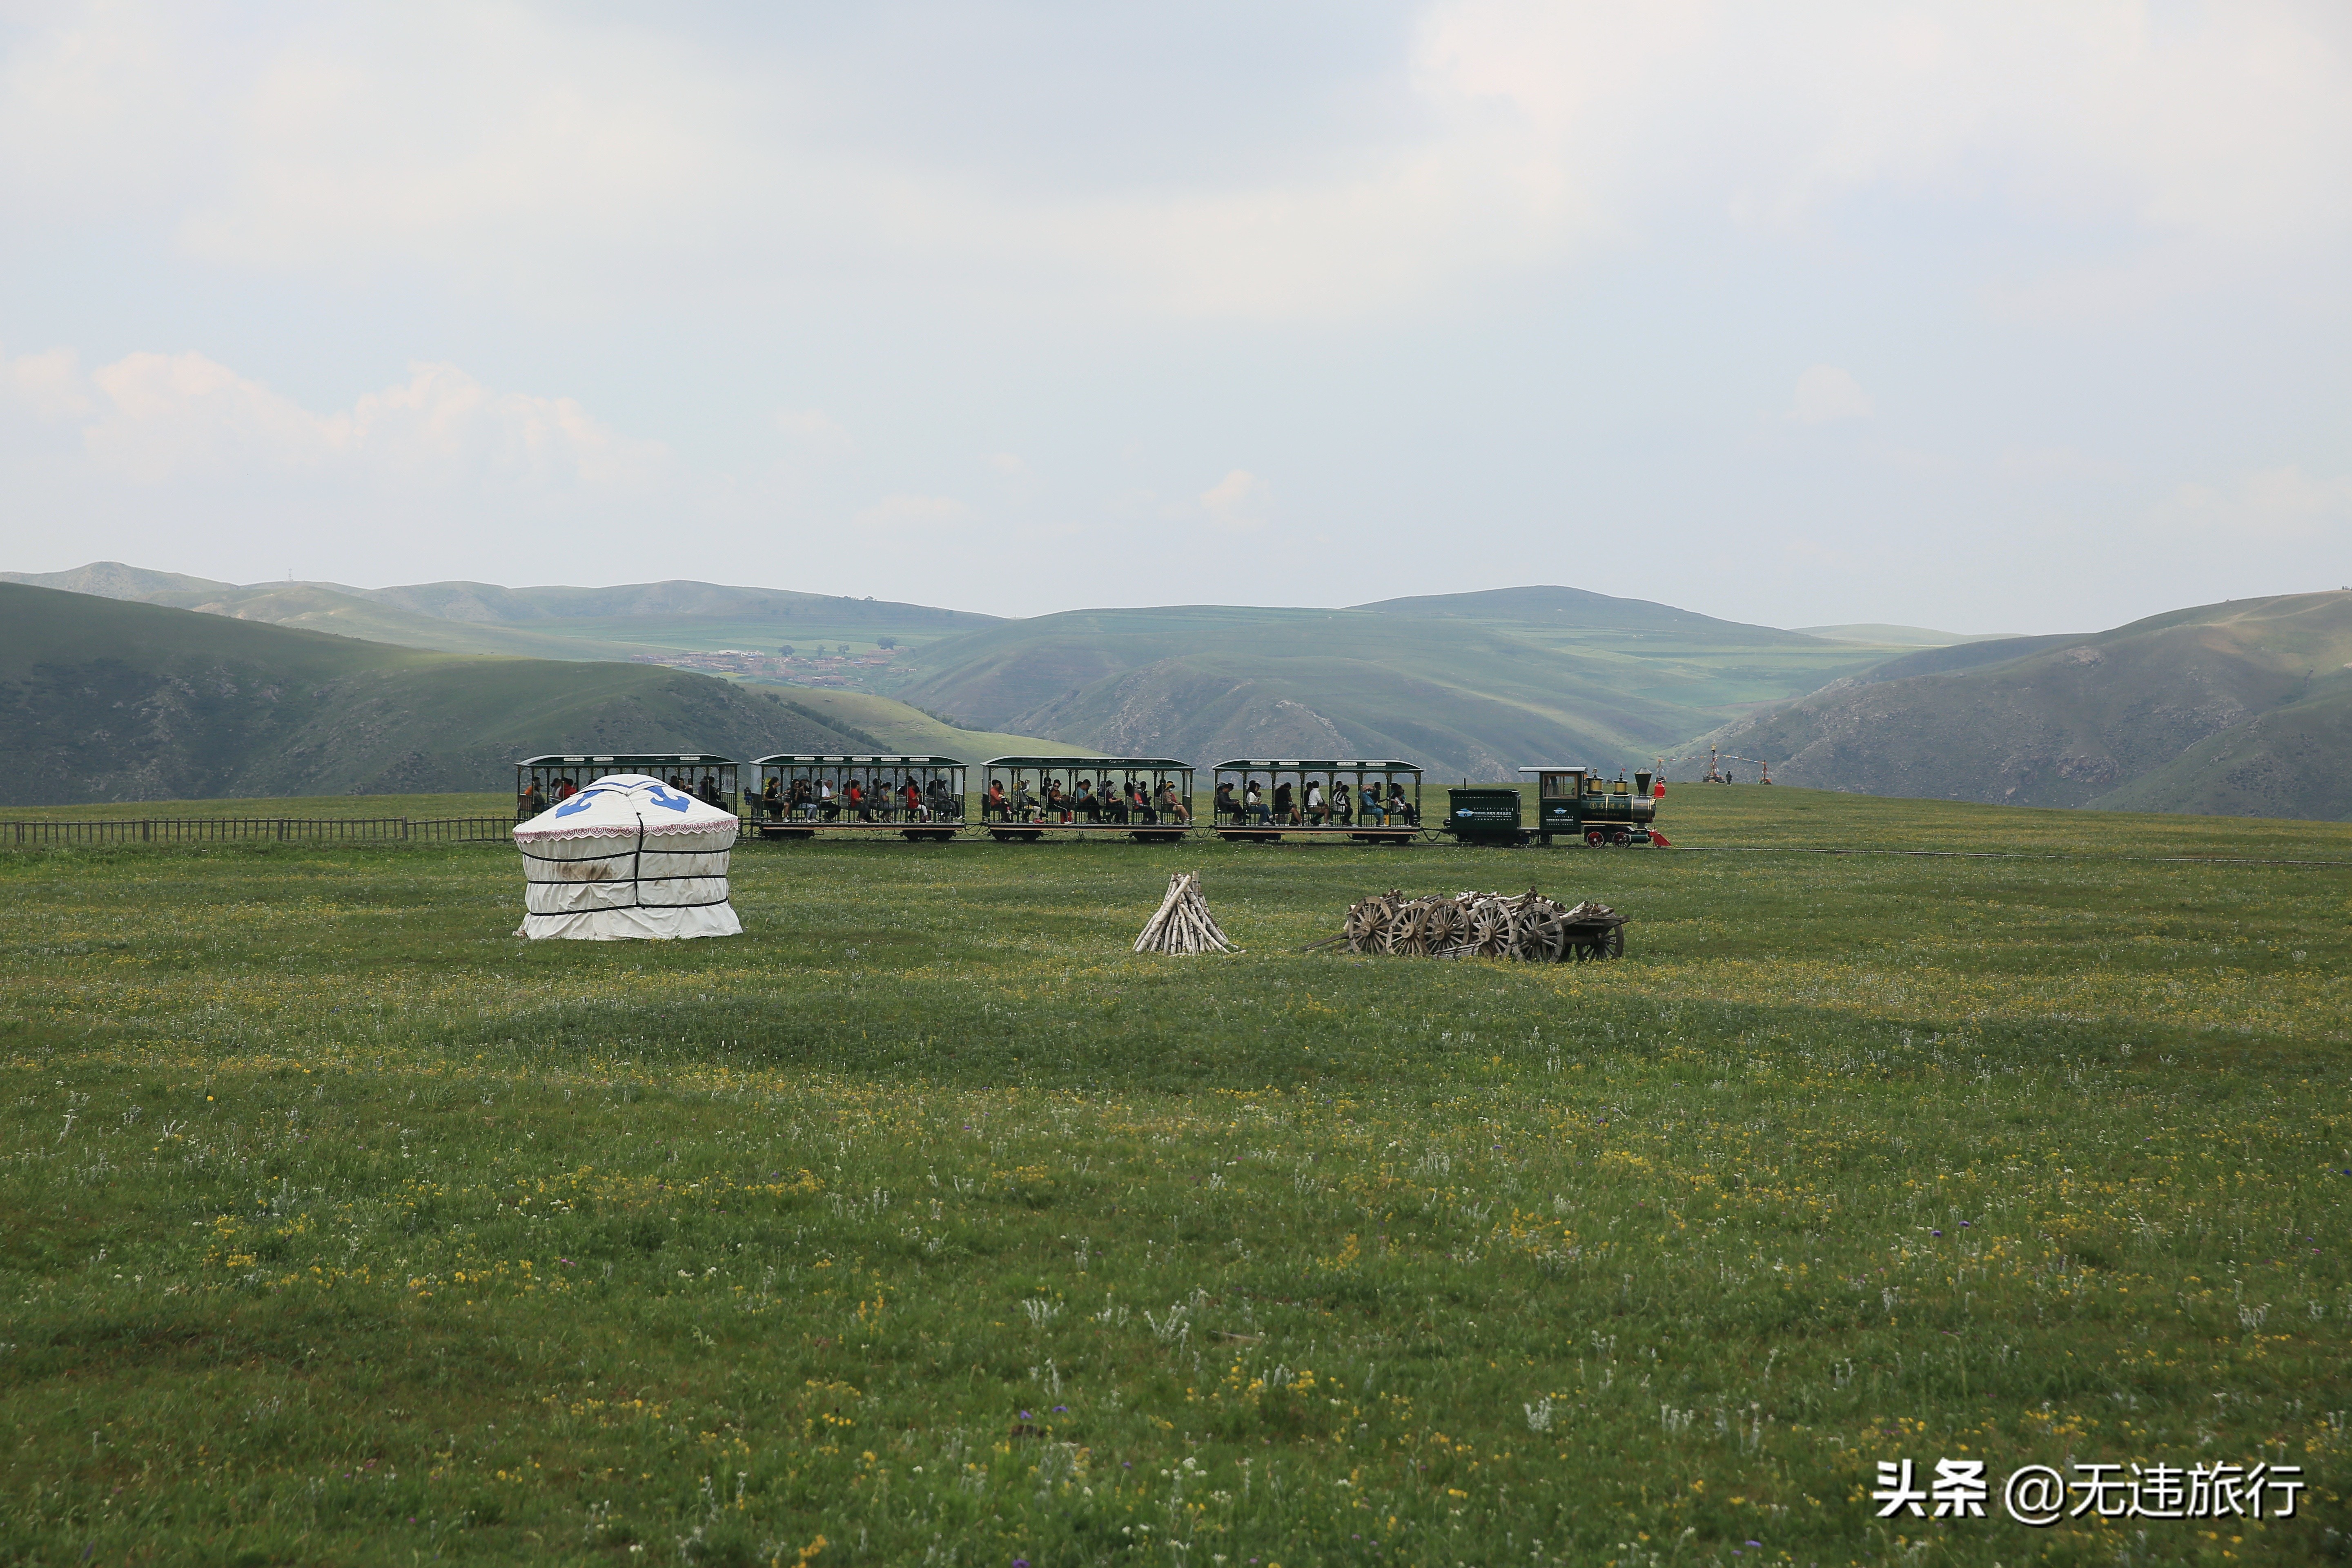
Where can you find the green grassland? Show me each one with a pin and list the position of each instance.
(927, 1223)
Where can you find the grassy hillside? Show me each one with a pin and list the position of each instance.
(897, 728)
(2236, 707)
(1450, 682)
(109, 700)
(644, 619)
(1898, 636)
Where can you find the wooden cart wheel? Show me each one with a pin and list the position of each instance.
(1612, 946)
(1489, 935)
(1368, 926)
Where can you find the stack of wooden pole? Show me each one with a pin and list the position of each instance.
(1183, 923)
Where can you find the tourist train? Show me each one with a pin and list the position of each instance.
(1150, 800)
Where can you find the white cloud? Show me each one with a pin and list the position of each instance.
(1825, 392)
(48, 384)
(1237, 502)
(814, 429)
(153, 418)
(911, 516)
(2270, 506)
(560, 156)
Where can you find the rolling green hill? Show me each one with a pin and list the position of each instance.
(2239, 708)
(105, 699)
(1474, 684)
(643, 620)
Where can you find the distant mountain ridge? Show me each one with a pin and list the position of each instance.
(105, 699)
(2241, 708)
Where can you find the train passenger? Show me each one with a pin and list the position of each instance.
(916, 810)
(708, 791)
(1025, 804)
(1285, 806)
(1254, 806)
(1138, 803)
(678, 785)
(772, 797)
(942, 807)
(1314, 804)
(1343, 811)
(1369, 808)
(827, 807)
(803, 799)
(532, 802)
(1087, 804)
(1400, 809)
(1117, 807)
(565, 790)
(1171, 805)
(857, 801)
(1222, 805)
(993, 802)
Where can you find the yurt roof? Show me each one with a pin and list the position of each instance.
(622, 804)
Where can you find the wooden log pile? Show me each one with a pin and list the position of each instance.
(1527, 926)
(1183, 923)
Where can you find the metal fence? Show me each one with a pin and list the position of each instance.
(68, 834)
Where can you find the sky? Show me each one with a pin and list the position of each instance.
(1981, 317)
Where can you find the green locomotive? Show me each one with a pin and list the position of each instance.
(1578, 801)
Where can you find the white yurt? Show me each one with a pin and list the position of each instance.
(628, 857)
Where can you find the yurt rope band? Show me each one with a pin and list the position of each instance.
(635, 853)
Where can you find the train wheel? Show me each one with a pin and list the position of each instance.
(1592, 836)
(1621, 839)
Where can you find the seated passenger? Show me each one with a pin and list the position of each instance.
(1223, 807)
(993, 802)
(1285, 809)
(1025, 804)
(1400, 809)
(803, 799)
(1343, 809)
(531, 804)
(772, 797)
(1314, 804)
(1171, 805)
(1254, 805)
(913, 794)
(710, 791)
(827, 807)
(565, 790)
(1370, 808)
(1087, 804)
(1138, 804)
(1115, 804)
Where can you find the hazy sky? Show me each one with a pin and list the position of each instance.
(1986, 317)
